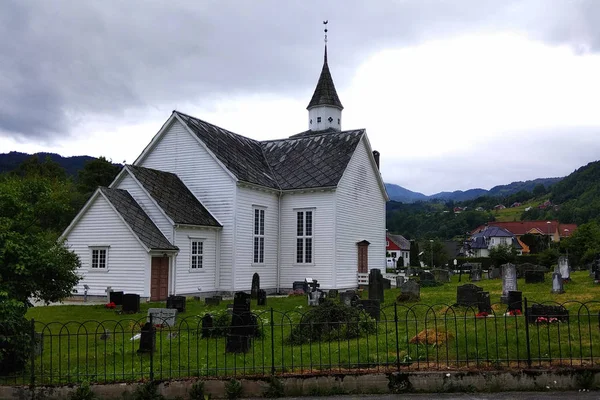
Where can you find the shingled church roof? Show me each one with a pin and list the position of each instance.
(325, 94)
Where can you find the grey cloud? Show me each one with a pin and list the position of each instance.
(69, 60)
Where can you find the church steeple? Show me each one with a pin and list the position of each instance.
(325, 107)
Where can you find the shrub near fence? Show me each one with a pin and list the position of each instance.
(407, 338)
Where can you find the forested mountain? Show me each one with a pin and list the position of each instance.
(398, 193)
(10, 161)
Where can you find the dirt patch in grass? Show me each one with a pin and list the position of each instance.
(431, 336)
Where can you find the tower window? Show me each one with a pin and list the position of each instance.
(311, 121)
(330, 119)
(338, 121)
(318, 119)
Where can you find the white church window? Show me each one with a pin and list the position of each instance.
(259, 236)
(99, 257)
(196, 254)
(304, 237)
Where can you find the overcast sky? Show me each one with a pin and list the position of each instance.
(454, 94)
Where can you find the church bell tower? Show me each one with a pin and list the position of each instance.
(325, 107)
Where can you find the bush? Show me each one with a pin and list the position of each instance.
(145, 391)
(15, 336)
(233, 389)
(275, 388)
(83, 392)
(197, 391)
(331, 321)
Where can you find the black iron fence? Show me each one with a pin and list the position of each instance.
(302, 341)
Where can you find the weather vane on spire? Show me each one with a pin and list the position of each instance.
(325, 23)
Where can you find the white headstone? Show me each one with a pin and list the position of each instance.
(557, 283)
(563, 267)
(162, 316)
(509, 280)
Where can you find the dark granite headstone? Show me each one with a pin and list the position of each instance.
(300, 285)
(117, 298)
(261, 300)
(484, 303)
(207, 325)
(131, 303)
(387, 284)
(534, 276)
(475, 273)
(147, 338)
(177, 302)
(441, 275)
(255, 286)
(332, 294)
(410, 291)
(399, 281)
(376, 285)
(212, 301)
(427, 277)
(494, 273)
(238, 339)
(515, 300)
(547, 313)
(467, 295)
(347, 297)
(509, 281)
(557, 283)
(371, 307)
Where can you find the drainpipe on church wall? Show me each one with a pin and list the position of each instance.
(278, 271)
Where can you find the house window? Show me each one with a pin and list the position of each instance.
(304, 237)
(318, 119)
(99, 257)
(196, 253)
(387, 243)
(259, 235)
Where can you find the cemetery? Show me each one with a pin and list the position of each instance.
(481, 319)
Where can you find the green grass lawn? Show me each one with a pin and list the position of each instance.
(73, 349)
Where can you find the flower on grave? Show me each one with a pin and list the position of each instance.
(514, 312)
(482, 314)
(110, 305)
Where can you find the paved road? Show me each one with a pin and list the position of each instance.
(594, 395)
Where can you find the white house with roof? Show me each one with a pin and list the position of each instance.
(483, 241)
(202, 209)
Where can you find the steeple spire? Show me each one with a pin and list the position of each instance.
(325, 107)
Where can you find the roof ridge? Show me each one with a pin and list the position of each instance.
(216, 126)
(318, 134)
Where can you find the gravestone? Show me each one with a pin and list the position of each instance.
(467, 295)
(515, 300)
(176, 302)
(371, 307)
(441, 275)
(376, 285)
(427, 278)
(399, 281)
(117, 298)
(313, 298)
(313, 284)
(494, 273)
(212, 301)
(387, 284)
(207, 325)
(597, 276)
(131, 303)
(300, 285)
(348, 297)
(261, 300)
(544, 312)
(162, 316)
(255, 286)
(147, 338)
(39, 343)
(410, 291)
(509, 281)
(475, 274)
(563, 268)
(229, 309)
(557, 283)
(534, 276)
(409, 271)
(239, 337)
(484, 302)
(332, 294)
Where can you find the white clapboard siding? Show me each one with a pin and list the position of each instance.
(187, 281)
(360, 215)
(247, 198)
(323, 233)
(149, 206)
(180, 153)
(128, 262)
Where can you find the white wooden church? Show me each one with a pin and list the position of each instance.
(202, 209)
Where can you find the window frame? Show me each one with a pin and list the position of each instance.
(258, 234)
(99, 249)
(198, 255)
(304, 237)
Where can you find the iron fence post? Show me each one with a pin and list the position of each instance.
(152, 348)
(272, 344)
(32, 377)
(526, 315)
(397, 342)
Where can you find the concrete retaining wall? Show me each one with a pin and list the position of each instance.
(409, 382)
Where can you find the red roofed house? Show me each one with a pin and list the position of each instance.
(397, 246)
(554, 229)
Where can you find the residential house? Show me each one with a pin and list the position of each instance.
(554, 229)
(396, 247)
(202, 209)
(483, 241)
